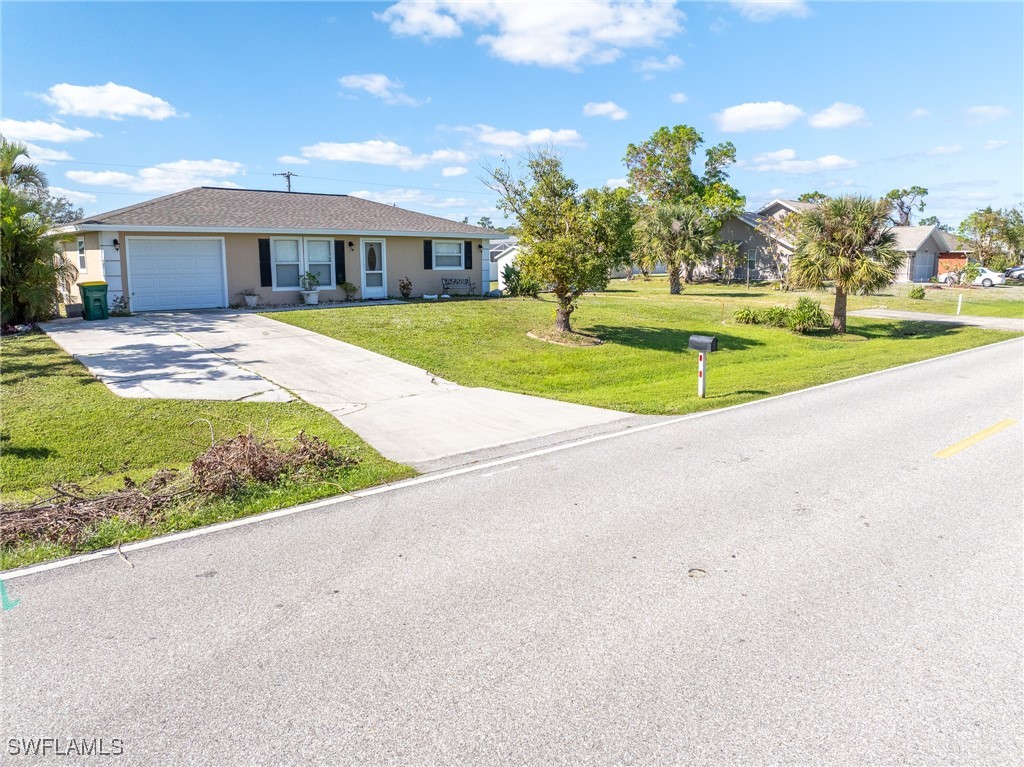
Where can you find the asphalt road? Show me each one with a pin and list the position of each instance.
(798, 581)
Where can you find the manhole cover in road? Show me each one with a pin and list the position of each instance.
(696, 572)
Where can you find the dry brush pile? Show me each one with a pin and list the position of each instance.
(69, 511)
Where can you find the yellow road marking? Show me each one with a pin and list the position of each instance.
(963, 444)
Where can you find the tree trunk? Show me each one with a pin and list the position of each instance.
(688, 273)
(673, 281)
(562, 318)
(839, 312)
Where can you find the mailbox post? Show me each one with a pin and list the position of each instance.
(703, 345)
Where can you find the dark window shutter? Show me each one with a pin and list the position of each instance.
(339, 262)
(266, 277)
(467, 252)
(428, 254)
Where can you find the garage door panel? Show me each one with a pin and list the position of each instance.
(185, 273)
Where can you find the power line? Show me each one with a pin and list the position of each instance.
(287, 177)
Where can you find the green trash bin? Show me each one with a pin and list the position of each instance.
(94, 300)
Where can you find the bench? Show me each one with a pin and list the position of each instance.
(448, 284)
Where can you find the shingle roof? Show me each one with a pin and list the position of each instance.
(794, 205)
(216, 208)
(911, 237)
(954, 244)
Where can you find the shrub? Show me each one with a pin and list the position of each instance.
(518, 284)
(807, 316)
(746, 316)
(349, 289)
(774, 316)
(120, 307)
(916, 292)
(405, 287)
(1000, 263)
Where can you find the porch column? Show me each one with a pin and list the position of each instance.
(485, 267)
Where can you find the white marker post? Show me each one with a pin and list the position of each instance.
(701, 378)
(959, 303)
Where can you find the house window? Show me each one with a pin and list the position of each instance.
(287, 262)
(320, 261)
(82, 262)
(292, 257)
(448, 255)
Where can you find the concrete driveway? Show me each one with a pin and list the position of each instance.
(406, 413)
(993, 323)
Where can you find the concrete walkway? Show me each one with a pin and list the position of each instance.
(993, 323)
(404, 412)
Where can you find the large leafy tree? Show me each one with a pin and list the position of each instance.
(613, 212)
(676, 234)
(661, 170)
(934, 221)
(29, 263)
(812, 197)
(993, 233)
(16, 172)
(560, 242)
(905, 202)
(847, 241)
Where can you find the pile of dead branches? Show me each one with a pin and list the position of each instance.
(69, 512)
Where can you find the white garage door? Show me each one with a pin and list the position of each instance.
(185, 273)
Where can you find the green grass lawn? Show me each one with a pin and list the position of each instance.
(997, 301)
(642, 367)
(62, 425)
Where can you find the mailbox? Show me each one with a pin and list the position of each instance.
(703, 343)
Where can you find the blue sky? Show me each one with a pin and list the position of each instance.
(405, 102)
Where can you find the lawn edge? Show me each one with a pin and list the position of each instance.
(444, 474)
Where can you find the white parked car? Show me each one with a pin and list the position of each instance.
(986, 278)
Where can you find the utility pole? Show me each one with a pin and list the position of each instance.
(288, 177)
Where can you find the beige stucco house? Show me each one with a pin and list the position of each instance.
(202, 247)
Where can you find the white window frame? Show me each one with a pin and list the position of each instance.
(83, 259)
(462, 250)
(383, 262)
(303, 262)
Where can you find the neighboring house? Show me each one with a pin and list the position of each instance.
(200, 248)
(503, 253)
(930, 251)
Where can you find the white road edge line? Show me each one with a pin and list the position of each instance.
(426, 478)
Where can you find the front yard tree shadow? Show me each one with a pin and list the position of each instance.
(664, 339)
(896, 329)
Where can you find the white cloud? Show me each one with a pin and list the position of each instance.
(554, 34)
(43, 155)
(165, 177)
(76, 197)
(413, 198)
(995, 144)
(605, 109)
(510, 139)
(616, 183)
(918, 113)
(111, 101)
(37, 130)
(678, 98)
(785, 161)
(377, 152)
(650, 65)
(383, 87)
(766, 10)
(839, 115)
(982, 115)
(952, 150)
(454, 170)
(758, 115)
(290, 159)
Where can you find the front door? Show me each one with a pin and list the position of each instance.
(373, 269)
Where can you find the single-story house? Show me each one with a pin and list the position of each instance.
(503, 252)
(930, 251)
(200, 248)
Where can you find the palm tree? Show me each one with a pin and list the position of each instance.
(17, 175)
(677, 235)
(848, 241)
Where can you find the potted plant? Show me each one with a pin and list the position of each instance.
(405, 287)
(310, 288)
(251, 297)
